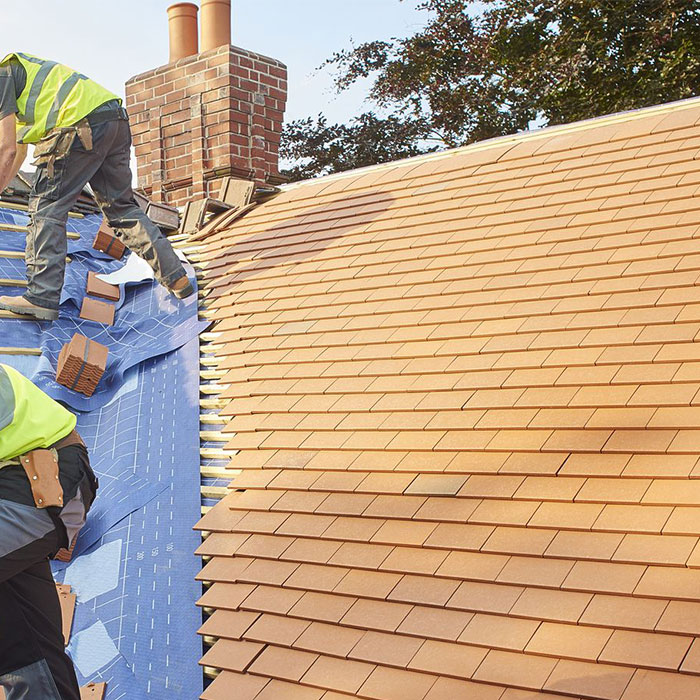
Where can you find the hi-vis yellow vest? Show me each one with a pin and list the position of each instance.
(29, 419)
(54, 96)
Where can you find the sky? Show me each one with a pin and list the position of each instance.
(110, 41)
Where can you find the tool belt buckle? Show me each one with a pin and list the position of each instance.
(41, 468)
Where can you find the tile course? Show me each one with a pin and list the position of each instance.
(462, 391)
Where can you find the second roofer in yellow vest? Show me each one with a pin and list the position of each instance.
(81, 135)
(46, 490)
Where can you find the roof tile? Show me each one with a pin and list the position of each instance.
(231, 655)
(623, 612)
(649, 685)
(569, 641)
(387, 649)
(584, 545)
(514, 669)
(423, 590)
(518, 540)
(245, 686)
(403, 532)
(449, 659)
(499, 632)
(670, 583)
(397, 683)
(472, 565)
(679, 616)
(338, 674)
(604, 577)
(414, 560)
(379, 615)
(276, 629)
(579, 516)
(661, 651)
(269, 599)
(661, 549)
(330, 639)
(559, 606)
(228, 624)
(313, 577)
(590, 680)
(369, 584)
(288, 664)
(322, 606)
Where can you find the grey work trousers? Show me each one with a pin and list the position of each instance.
(106, 166)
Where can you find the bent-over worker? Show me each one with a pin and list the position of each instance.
(82, 135)
(46, 490)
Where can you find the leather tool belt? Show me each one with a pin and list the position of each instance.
(72, 438)
(41, 468)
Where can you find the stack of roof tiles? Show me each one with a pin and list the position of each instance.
(81, 364)
(465, 391)
(107, 242)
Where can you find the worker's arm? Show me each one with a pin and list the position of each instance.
(11, 156)
(20, 157)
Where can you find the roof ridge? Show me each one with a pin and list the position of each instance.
(496, 141)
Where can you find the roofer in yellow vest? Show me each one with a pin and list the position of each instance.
(46, 490)
(82, 135)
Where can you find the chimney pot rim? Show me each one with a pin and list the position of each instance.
(188, 5)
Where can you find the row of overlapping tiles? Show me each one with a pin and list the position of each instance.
(463, 391)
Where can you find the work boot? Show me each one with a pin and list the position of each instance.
(182, 288)
(19, 305)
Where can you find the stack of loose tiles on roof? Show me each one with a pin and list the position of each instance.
(464, 393)
(106, 241)
(81, 364)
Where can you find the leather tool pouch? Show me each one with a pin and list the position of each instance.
(85, 134)
(57, 144)
(41, 468)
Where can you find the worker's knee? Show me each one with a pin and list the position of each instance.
(31, 682)
(135, 228)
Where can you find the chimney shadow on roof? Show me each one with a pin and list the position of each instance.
(297, 239)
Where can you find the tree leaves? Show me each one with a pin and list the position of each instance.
(318, 148)
(470, 75)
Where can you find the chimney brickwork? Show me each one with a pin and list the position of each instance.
(215, 114)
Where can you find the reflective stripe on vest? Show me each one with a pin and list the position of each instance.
(29, 418)
(35, 90)
(61, 96)
(54, 96)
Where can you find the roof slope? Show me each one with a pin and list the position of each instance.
(465, 391)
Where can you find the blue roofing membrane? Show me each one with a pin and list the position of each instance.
(134, 568)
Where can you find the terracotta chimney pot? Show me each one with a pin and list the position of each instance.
(216, 24)
(182, 25)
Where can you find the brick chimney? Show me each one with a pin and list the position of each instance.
(207, 115)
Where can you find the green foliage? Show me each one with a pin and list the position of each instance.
(471, 75)
(318, 148)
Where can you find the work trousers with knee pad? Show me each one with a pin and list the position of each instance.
(33, 662)
(105, 164)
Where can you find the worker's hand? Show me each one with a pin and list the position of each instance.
(8, 151)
